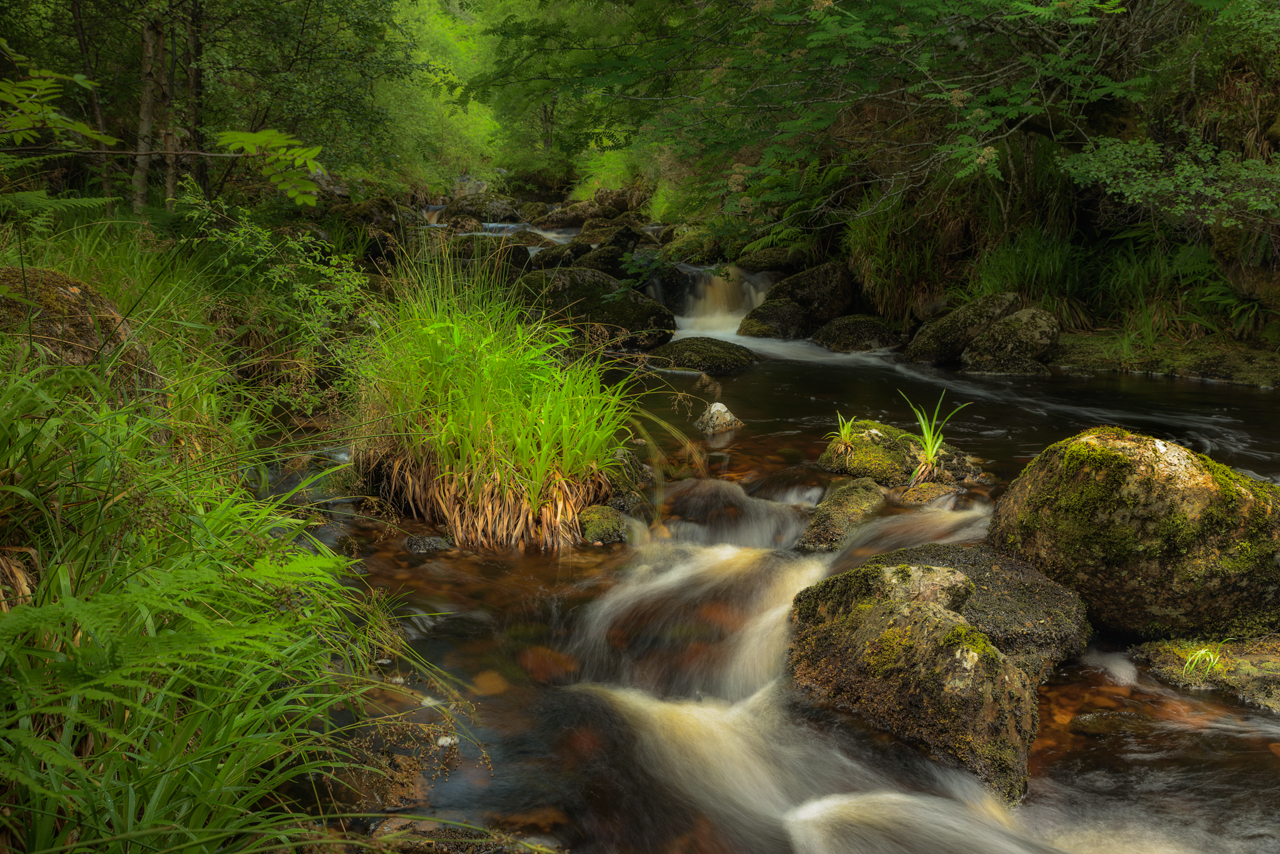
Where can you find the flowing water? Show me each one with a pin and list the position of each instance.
(631, 699)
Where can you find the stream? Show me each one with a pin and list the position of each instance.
(630, 698)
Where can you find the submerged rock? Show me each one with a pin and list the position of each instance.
(421, 545)
(65, 321)
(857, 333)
(1013, 344)
(1158, 540)
(711, 356)
(1249, 669)
(838, 514)
(889, 644)
(889, 456)
(943, 340)
(1033, 620)
(635, 321)
(601, 524)
(717, 419)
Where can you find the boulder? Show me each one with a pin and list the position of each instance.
(857, 333)
(824, 292)
(942, 341)
(1159, 541)
(562, 255)
(421, 544)
(624, 235)
(1013, 344)
(696, 247)
(1247, 669)
(573, 216)
(717, 419)
(890, 456)
(486, 207)
(606, 259)
(779, 259)
(529, 211)
(616, 199)
(525, 237)
(65, 321)
(889, 644)
(707, 355)
(838, 514)
(628, 480)
(1030, 618)
(634, 321)
(780, 318)
(602, 524)
(490, 251)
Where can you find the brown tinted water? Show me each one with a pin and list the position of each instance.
(628, 698)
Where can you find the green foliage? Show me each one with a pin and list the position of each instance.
(843, 434)
(931, 433)
(483, 419)
(286, 163)
(29, 110)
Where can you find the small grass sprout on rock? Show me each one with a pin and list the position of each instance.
(931, 433)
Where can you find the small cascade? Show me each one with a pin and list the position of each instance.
(710, 512)
(431, 213)
(715, 303)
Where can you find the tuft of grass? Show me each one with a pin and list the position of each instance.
(931, 434)
(843, 434)
(483, 419)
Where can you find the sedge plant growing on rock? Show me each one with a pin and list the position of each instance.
(931, 435)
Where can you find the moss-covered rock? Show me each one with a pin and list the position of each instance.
(708, 355)
(779, 259)
(602, 524)
(529, 211)
(1013, 344)
(1159, 541)
(824, 292)
(573, 216)
(1215, 357)
(64, 321)
(1249, 669)
(890, 456)
(563, 255)
(696, 247)
(629, 478)
(856, 333)
(495, 252)
(925, 493)
(1030, 618)
(589, 296)
(838, 514)
(779, 318)
(888, 643)
(486, 207)
(525, 237)
(942, 341)
(606, 259)
(616, 199)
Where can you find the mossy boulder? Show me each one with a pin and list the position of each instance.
(696, 247)
(838, 514)
(633, 320)
(890, 456)
(856, 333)
(1159, 541)
(529, 211)
(492, 251)
(1013, 344)
(824, 292)
(64, 321)
(779, 318)
(926, 493)
(708, 355)
(563, 255)
(617, 199)
(888, 643)
(525, 237)
(602, 524)
(1030, 618)
(779, 259)
(486, 207)
(1249, 669)
(606, 259)
(573, 216)
(942, 341)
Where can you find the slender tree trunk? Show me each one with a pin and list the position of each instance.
(151, 37)
(195, 91)
(170, 168)
(87, 65)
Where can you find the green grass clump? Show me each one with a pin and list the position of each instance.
(171, 659)
(486, 421)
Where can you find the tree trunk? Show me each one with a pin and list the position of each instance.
(195, 92)
(151, 35)
(170, 168)
(94, 101)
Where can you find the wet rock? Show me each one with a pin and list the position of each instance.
(606, 259)
(493, 252)
(65, 321)
(563, 255)
(525, 237)
(1033, 620)
(890, 456)
(1110, 723)
(629, 477)
(421, 544)
(925, 493)
(486, 207)
(461, 225)
(1159, 541)
(1216, 357)
(856, 333)
(695, 247)
(775, 319)
(1013, 344)
(942, 341)
(711, 356)
(717, 419)
(825, 292)
(573, 216)
(632, 320)
(1247, 669)
(889, 644)
(838, 514)
(779, 259)
(616, 199)
(602, 524)
(529, 211)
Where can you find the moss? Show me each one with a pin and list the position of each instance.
(596, 298)
(823, 293)
(708, 355)
(602, 524)
(887, 651)
(943, 341)
(975, 641)
(779, 258)
(838, 514)
(857, 333)
(1216, 357)
(776, 318)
